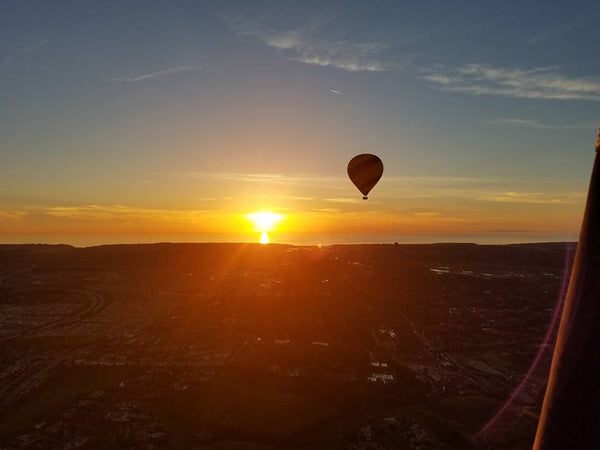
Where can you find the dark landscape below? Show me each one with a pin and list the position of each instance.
(238, 346)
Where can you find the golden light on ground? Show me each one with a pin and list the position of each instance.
(263, 222)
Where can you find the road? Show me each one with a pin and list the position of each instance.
(24, 374)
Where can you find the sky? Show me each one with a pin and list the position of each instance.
(150, 121)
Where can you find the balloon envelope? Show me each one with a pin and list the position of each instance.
(364, 171)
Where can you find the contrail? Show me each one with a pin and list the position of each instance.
(157, 74)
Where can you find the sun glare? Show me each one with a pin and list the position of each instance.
(263, 222)
(264, 238)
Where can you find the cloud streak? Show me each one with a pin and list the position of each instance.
(537, 83)
(270, 178)
(158, 74)
(20, 53)
(304, 44)
(110, 212)
(12, 215)
(419, 182)
(532, 197)
(531, 123)
(342, 200)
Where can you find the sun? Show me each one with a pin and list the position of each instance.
(263, 222)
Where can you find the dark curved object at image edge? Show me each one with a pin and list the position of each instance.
(570, 416)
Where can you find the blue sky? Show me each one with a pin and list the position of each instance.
(149, 113)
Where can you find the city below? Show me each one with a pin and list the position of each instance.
(277, 346)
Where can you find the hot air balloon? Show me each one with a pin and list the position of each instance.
(364, 171)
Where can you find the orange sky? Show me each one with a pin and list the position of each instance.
(391, 210)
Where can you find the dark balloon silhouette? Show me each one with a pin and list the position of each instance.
(365, 171)
(569, 416)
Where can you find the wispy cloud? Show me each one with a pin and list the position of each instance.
(532, 197)
(158, 74)
(111, 218)
(327, 210)
(110, 212)
(269, 178)
(401, 186)
(531, 123)
(335, 91)
(426, 214)
(22, 52)
(251, 177)
(342, 200)
(537, 83)
(307, 44)
(12, 215)
(278, 178)
(561, 31)
(300, 198)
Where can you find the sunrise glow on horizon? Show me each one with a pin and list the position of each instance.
(118, 129)
(264, 221)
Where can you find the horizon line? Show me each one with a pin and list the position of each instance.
(483, 240)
